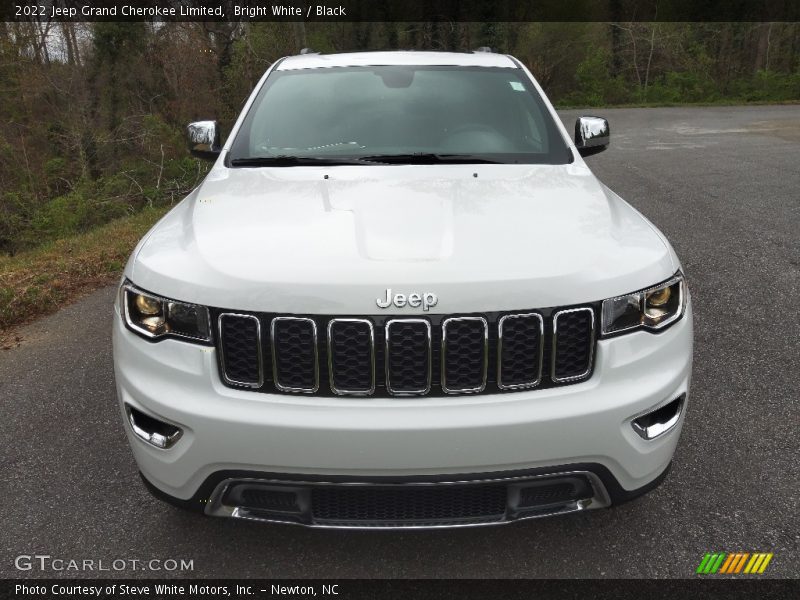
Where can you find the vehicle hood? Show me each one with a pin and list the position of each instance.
(330, 240)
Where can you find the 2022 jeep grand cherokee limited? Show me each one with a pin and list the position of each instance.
(400, 298)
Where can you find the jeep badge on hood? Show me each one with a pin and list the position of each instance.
(414, 300)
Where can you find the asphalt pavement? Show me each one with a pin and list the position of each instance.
(722, 183)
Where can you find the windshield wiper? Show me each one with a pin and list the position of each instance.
(416, 158)
(429, 158)
(295, 161)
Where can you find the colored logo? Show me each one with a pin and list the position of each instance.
(734, 563)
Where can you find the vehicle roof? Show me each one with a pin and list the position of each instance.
(371, 59)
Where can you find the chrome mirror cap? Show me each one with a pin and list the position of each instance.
(204, 139)
(592, 135)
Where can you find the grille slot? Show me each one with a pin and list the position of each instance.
(465, 354)
(240, 350)
(410, 504)
(408, 356)
(573, 344)
(295, 364)
(520, 351)
(351, 356)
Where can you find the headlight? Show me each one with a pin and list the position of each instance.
(154, 317)
(654, 308)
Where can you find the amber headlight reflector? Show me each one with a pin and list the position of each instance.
(147, 305)
(154, 317)
(654, 308)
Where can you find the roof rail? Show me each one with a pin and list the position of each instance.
(483, 49)
(308, 51)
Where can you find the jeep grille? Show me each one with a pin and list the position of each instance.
(381, 356)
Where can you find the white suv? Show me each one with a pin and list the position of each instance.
(400, 298)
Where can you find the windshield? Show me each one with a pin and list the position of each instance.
(398, 114)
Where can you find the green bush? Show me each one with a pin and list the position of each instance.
(768, 86)
(15, 211)
(682, 86)
(594, 84)
(72, 213)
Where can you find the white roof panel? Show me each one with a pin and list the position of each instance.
(371, 59)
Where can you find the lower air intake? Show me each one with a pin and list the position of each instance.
(417, 504)
(380, 504)
(548, 493)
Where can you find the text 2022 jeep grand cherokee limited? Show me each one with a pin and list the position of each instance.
(400, 298)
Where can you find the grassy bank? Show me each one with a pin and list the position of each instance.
(40, 281)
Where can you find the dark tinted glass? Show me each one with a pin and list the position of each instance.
(493, 113)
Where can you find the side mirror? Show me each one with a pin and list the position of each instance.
(592, 135)
(204, 139)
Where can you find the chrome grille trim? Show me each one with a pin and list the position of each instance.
(507, 365)
(275, 378)
(331, 378)
(524, 385)
(227, 379)
(474, 390)
(387, 336)
(554, 345)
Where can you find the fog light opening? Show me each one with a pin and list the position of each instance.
(658, 422)
(156, 433)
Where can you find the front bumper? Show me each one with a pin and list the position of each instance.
(581, 427)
